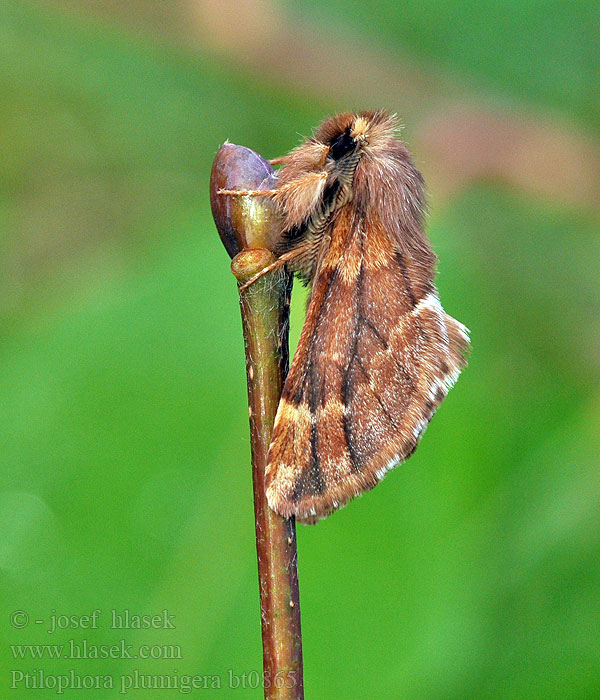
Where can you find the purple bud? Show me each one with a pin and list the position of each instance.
(243, 222)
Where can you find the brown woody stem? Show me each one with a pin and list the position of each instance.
(265, 319)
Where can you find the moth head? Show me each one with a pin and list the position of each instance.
(342, 138)
(342, 146)
(348, 136)
(355, 155)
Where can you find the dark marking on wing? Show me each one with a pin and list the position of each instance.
(372, 390)
(405, 277)
(369, 324)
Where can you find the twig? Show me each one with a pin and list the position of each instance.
(265, 307)
(265, 320)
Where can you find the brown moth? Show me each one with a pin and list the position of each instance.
(377, 353)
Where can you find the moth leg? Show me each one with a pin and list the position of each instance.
(247, 193)
(277, 161)
(282, 260)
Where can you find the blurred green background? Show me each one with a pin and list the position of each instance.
(472, 571)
